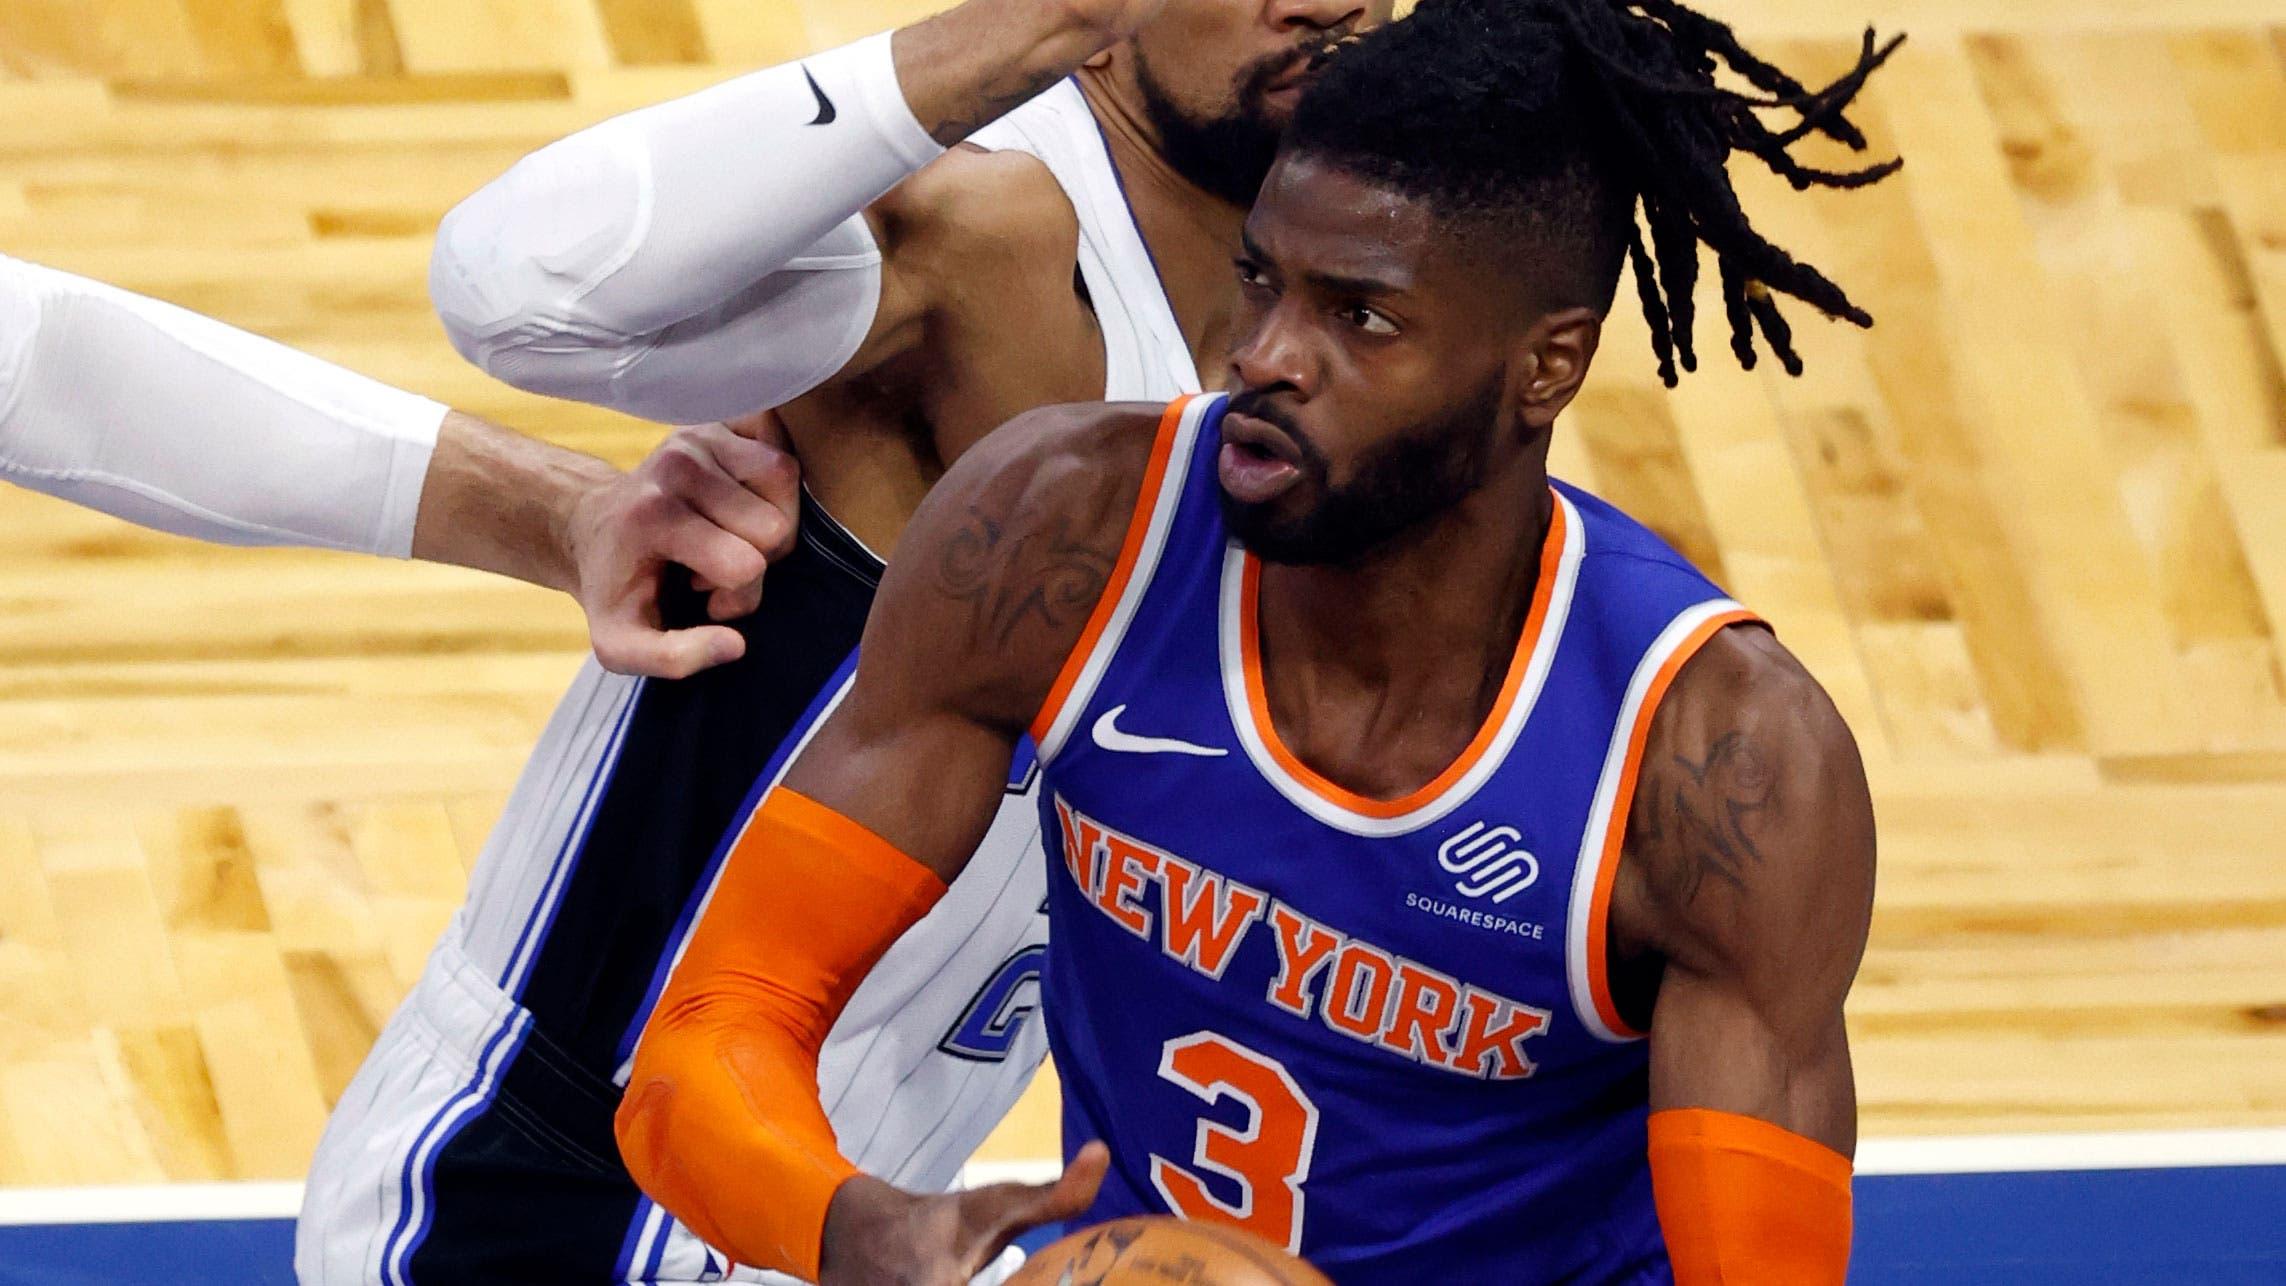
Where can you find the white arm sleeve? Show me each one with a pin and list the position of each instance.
(696, 260)
(176, 421)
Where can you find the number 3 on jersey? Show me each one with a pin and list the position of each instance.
(1269, 1158)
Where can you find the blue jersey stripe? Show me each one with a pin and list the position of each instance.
(542, 916)
(415, 1185)
(420, 1171)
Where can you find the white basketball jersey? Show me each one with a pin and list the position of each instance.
(938, 1042)
(1147, 358)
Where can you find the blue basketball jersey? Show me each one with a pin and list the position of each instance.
(1378, 1033)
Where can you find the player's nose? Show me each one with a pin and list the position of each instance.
(1274, 354)
(1317, 15)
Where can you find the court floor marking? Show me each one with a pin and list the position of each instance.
(149, 1203)
(1953, 1154)
(2017, 1153)
(1963, 1154)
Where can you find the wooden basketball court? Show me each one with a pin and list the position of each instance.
(2031, 532)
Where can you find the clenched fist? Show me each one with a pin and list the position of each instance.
(719, 499)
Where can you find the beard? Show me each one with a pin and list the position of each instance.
(1404, 483)
(1227, 156)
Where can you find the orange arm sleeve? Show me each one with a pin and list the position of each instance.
(721, 1123)
(1743, 1201)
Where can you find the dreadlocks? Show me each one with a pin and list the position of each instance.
(1597, 127)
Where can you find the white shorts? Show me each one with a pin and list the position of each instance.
(476, 1140)
(434, 1072)
(471, 1148)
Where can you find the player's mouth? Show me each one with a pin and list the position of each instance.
(1287, 89)
(1259, 461)
(1284, 89)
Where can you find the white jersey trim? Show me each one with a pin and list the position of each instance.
(1582, 972)
(1163, 504)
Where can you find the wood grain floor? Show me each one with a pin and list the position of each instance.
(2031, 532)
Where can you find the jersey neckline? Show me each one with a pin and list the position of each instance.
(1246, 694)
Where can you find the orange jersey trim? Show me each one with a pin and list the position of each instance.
(1122, 571)
(1552, 548)
(1623, 802)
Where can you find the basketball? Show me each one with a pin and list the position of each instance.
(1153, 1250)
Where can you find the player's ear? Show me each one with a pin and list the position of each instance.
(1552, 360)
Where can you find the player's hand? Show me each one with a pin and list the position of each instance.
(719, 499)
(877, 1233)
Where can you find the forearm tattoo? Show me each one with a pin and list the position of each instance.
(1009, 575)
(1697, 820)
(1012, 92)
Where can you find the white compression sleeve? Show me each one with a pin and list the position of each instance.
(176, 421)
(699, 259)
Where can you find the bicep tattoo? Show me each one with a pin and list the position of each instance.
(1010, 574)
(1698, 820)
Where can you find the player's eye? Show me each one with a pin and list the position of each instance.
(1368, 320)
(1250, 274)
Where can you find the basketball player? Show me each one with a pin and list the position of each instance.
(733, 250)
(175, 421)
(1450, 883)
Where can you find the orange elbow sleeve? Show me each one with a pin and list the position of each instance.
(721, 1123)
(1743, 1201)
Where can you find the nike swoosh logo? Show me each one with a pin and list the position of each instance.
(1108, 736)
(826, 112)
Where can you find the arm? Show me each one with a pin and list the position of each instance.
(721, 1121)
(178, 422)
(1751, 847)
(719, 499)
(709, 256)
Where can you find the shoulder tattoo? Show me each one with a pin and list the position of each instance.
(1013, 573)
(1698, 820)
